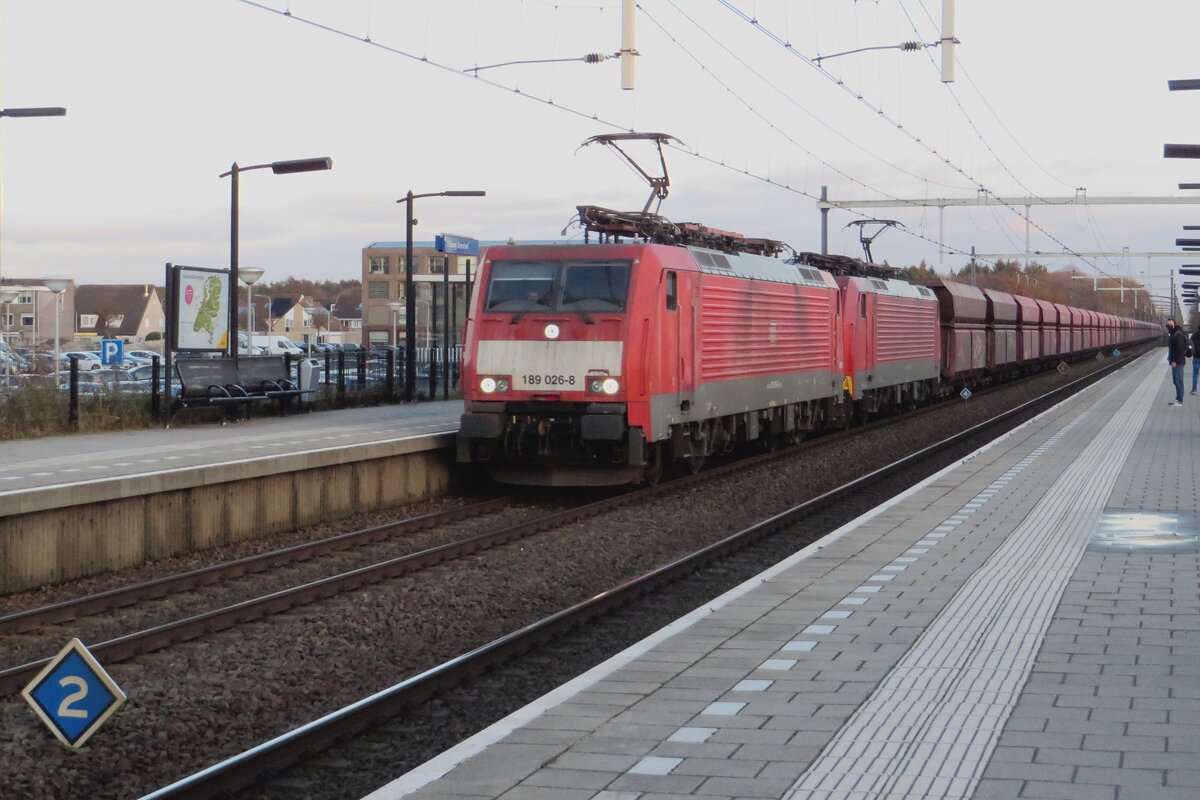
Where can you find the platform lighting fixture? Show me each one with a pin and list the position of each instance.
(410, 295)
(398, 309)
(279, 168)
(1181, 151)
(250, 276)
(33, 112)
(7, 296)
(58, 286)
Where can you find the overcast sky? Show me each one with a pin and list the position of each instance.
(163, 95)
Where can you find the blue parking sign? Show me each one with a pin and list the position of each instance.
(112, 351)
(73, 695)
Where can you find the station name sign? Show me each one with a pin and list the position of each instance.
(458, 245)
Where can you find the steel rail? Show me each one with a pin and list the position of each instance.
(268, 758)
(148, 640)
(121, 597)
(125, 647)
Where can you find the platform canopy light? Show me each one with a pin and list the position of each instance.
(1190, 269)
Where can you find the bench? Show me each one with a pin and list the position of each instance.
(211, 383)
(269, 376)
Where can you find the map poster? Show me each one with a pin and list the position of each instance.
(201, 309)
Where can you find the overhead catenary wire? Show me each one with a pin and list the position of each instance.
(895, 123)
(1004, 166)
(791, 100)
(548, 102)
(983, 98)
(991, 150)
(754, 111)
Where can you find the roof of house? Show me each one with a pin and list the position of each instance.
(280, 306)
(110, 302)
(348, 305)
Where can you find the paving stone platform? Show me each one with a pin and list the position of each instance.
(1024, 624)
(53, 471)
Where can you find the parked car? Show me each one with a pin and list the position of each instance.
(87, 359)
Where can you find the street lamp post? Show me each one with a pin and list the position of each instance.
(397, 309)
(410, 307)
(31, 112)
(250, 276)
(58, 286)
(6, 297)
(279, 168)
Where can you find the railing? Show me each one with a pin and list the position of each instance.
(107, 399)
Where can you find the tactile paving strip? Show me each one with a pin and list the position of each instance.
(929, 728)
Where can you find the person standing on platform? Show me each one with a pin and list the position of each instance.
(1195, 357)
(1177, 346)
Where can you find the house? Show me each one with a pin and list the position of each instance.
(126, 311)
(30, 317)
(303, 320)
(347, 310)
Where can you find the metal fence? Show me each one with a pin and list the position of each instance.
(344, 378)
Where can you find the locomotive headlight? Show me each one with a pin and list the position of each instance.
(601, 384)
(552, 331)
(502, 385)
(487, 385)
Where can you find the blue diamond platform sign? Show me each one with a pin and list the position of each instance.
(73, 695)
(112, 351)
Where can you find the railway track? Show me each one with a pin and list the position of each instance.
(275, 755)
(122, 648)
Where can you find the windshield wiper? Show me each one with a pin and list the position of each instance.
(573, 300)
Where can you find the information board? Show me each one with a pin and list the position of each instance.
(201, 309)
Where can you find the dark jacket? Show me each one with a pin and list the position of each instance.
(1196, 343)
(1177, 346)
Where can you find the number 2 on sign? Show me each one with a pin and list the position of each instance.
(64, 708)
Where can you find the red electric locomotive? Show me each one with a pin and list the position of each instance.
(599, 363)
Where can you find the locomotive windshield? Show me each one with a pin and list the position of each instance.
(580, 286)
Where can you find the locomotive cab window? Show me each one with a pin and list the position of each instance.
(594, 285)
(570, 286)
(862, 306)
(520, 285)
(672, 291)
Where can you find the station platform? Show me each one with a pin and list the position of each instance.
(76, 506)
(56, 466)
(1023, 624)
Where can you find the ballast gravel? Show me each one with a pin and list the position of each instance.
(194, 704)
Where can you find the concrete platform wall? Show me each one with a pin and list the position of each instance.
(66, 532)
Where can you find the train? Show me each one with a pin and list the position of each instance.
(661, 344)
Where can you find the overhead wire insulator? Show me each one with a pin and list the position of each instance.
(908, 47)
